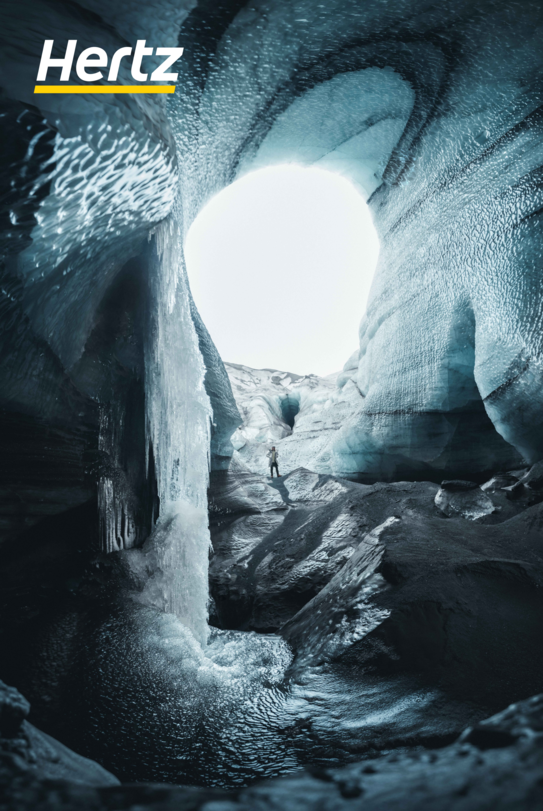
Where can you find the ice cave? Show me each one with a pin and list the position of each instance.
(295, 250)
(178, 629)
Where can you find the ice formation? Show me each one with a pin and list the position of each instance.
(300, 414)
(414, 127)
(401, 98)
(178, 419)
(272, 405)
(114, 399)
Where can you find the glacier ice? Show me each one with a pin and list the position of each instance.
(178, 419)
(297, 413)
(427, 396)
(463, 498)
(434, 111)
(429, 111)
(226, 417)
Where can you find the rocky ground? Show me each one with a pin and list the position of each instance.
(423, 601)
(496, 764)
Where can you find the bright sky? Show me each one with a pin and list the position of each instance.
(280, 265)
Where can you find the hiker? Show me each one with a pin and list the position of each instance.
(273, 456)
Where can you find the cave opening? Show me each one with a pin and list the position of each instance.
(290, 408)
(280, 266)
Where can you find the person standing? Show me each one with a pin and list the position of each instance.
(273, 455)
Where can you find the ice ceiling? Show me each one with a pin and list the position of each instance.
(434, 113)
(291, 250)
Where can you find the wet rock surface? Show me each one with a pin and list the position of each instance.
(458, 602)
(463, 498)
(406, 626)
(278, 542)
(267, 564)
(379, 578)
(496, 764)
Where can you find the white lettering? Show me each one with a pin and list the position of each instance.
(91, 58)
(140, 52)
(173, 55)
(115, 63)
(66, 63)
(98, 58)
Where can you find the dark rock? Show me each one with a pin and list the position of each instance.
(458, 485)
(269, 562)
(457, 601)
(514, 492)
(534, 478)
(320, 632)
(456, 627)
(497, 483)
(489, 738)
(238, 492)
(31, 755)
(14, 708)
(306, 487)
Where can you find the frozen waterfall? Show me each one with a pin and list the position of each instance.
(178, 431)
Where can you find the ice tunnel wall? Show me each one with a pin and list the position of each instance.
(434, 112)
(290, 407)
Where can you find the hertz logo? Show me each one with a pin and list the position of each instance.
(92, 58)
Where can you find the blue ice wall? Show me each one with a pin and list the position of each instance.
(434, 112)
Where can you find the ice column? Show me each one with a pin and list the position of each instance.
(178, 424)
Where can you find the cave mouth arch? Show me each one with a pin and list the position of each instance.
(290, 408)
(280, 265)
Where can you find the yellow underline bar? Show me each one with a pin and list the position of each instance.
(104, 88)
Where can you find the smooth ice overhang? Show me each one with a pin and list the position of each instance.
(349, 124)
(299, 82)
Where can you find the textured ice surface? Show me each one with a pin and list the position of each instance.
(463, 499)
(112, 177)
(270, 402)
(348, 124)
(299, 414)
(226, 417)
(450, 153)
(157, 23)
(433, 110)
(178, 415)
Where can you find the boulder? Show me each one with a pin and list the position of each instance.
(26, 752)
(266, 566)
(534, 477)
(464, 499)
(456, 603)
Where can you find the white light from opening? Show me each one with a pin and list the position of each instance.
(280, 265)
